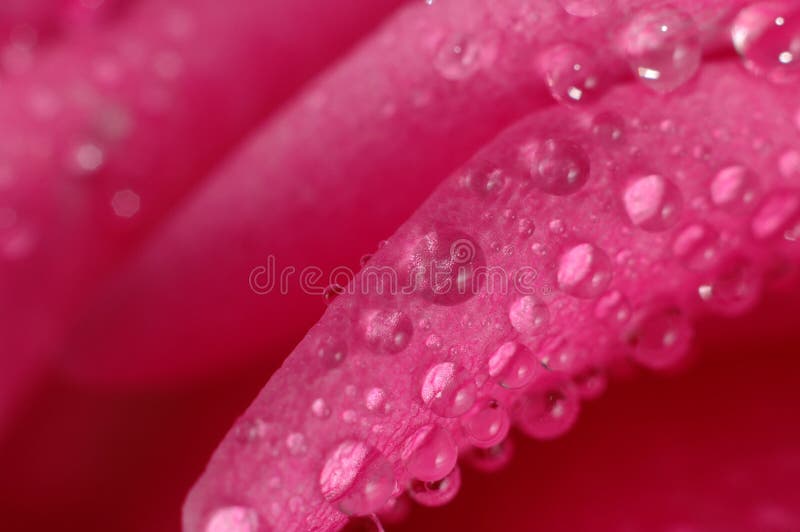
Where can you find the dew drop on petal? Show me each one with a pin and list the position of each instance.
(584, 271)
(571, 73)
(559, 167)
(513, 366)
(487, 424)
(448, 390)
(662, 46)
(778, 213)
(461, 57)
(549, 409)
(436, 493)
(608, 127)
(446, 267)
(735, 189)
(388, 331)
(613, 308)
(320, 408)
(331, 351)
(767, 37)
(653, 202)
(528, 315)
(734, 288)
(356, 478)
(660, 337)
(430, 453)
(696, 246)
(485, 178)
(233, 519)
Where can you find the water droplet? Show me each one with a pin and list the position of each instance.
(320, 408)
(529, 316)
(653, 203)
(608, 127)
(492, 459)
(513, 366)
(430, 453)
(559, 167)
(570, 73)
(591, 383)
(388, 331)
(556, 226)
(584, 271)
(779, 213)
(448, 390)
(331, 292)
(296, 443)
(487, 424)
(485, 178)
(663, 47)
(767, 36)
(88, 157)
(613, 308)
(660, 337)
(462, 57)
(734, 289)
(233, 519)
(375, 399)
(525, 227)
(584, 8)
(549, 408)
(437, 493)
(331, 351)
(356, 478)
(125, 203)
(446, 267)
(735, 189)
(697, 246)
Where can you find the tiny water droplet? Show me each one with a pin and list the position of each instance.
(448, 390)
(375, 399)
(584, 271)
(559, 167)
(461, 57)
(320, 408)
(608, 127)
(331, 351)
(296, 443)
(662, 46)
(430, 453)
(653, 203)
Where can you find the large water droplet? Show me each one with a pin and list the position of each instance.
(570, 73)
(356, 478)
(734, 288)
(487, 425)
(462, 57)
(660, 337)
(233, 519)
(735, 189)
(584, 271)
(513, 366)
(549, 409)
(388, 331)
(447, 267)
(778, 213)
(430, 453)
(663, 47)
(437, 493)
(528, 315)
(653, 203)
(584, 8)
(697, 246)
(448, 390)
(559, 167)
(767, 36)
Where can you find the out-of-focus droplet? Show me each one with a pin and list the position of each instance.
(571, 73)
(789, 163)
(613, 308)
(734, 188)
(437, 493)
(484, 178)
(590, 383)
(88, 157)
(662, 46)
(448, 390)
(320, 408)
(375, 399)
(296, 444)
(733, 289)
(653, 202)
(462, 57)
(660, 336)
(608, 127)
(513, 366)
(549, 409)
(697, 246)
(767, 36)
(125, 203)
(388, 331)
(356, 478)
(487, 424)
(584, 271)
(492, 459)
(233, 519)
(430, 453)
(585, 8)
(528, 315)
(777, 214)
(559, 167)
(331, 351)
(446, 267)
